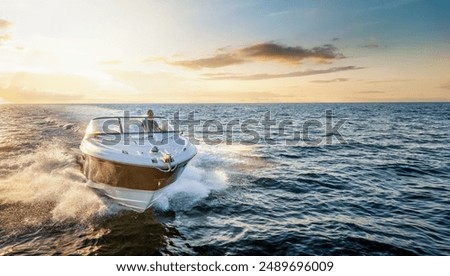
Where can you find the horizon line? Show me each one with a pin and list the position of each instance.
(226, 103)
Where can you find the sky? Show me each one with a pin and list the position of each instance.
(213, 51)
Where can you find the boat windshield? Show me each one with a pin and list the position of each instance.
(128, 125)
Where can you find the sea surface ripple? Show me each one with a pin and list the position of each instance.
(385, 191)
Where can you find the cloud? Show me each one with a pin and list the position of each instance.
(272, 51)
(220, 60)
(230, 76)
(263, 52)
(387, 81)
(4, 37)
(329, 81)
(4, 24)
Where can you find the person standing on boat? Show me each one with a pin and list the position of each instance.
(149, 124)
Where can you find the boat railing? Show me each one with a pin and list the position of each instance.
(124, 123)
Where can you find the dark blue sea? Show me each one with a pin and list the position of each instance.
(268, 179)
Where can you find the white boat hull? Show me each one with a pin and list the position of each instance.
(137, 200)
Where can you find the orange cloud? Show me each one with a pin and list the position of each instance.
(4, 24)
(281, 53)
(263, 52)
(220, 60)
(330, 81)
(230, 76)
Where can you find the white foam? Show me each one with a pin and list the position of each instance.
(51, 177)
(206, 173)
(195, 184)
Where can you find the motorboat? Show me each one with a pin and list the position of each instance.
(130, 164)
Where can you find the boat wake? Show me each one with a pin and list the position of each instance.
(48, 186)
(194, 185)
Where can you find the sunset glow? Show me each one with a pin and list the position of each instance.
(224, 51)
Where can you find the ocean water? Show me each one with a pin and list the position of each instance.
(383, 189)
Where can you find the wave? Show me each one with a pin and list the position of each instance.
(194, 185)
(49, 181)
